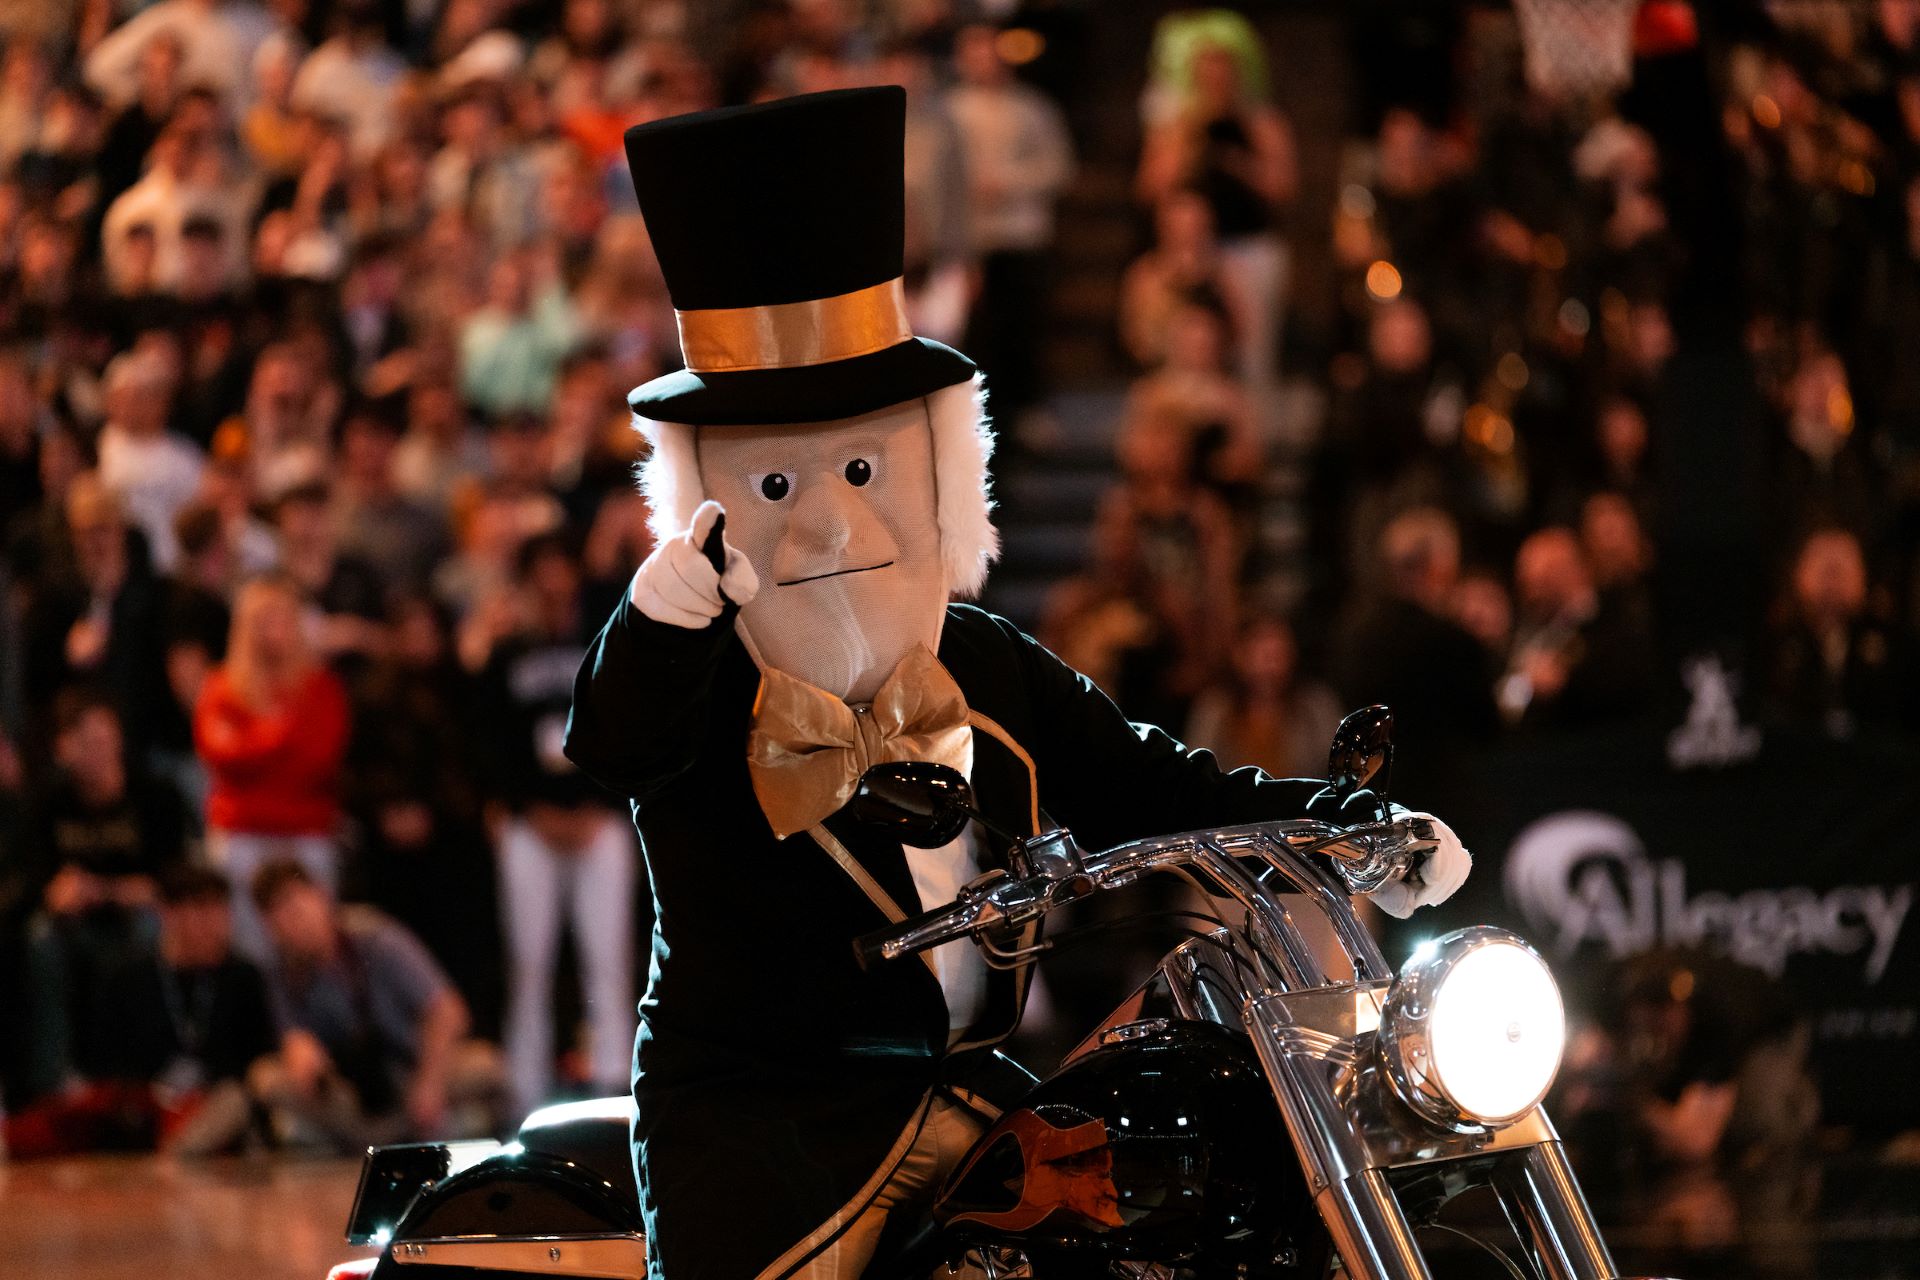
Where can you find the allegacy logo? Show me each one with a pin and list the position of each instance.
(1586, 878)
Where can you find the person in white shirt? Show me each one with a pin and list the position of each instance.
(153, 471)
(217, 38)
(1018, 157)
(186, 181)
(352, 78)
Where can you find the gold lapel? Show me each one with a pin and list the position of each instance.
(986, 724)
(864, 878)
(891, 910)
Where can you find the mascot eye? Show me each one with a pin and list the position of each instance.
(859, 471)
(775, 485)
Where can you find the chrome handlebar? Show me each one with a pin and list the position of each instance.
(997, 907)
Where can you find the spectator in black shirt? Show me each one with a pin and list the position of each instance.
(1835, 669)
(188, 1018)
(96, 622)
(38, 551)
(194, 620)
(414, 793)
(162, 1044)
(101, 834)
(401, 538)
(209, 317)
(348, 592)
(19, 436)
(197, 613)
(1581, 656)
(61, 169)
(565, 853)
(1407, 651)
(372, 326)
(135, 129)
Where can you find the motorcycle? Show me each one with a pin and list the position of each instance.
(1274, 1101)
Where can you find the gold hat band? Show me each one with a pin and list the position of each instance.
(793, 334)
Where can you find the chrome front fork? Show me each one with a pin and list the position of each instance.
(1550, 1215)
(1536, 1188)
(1354, 1141)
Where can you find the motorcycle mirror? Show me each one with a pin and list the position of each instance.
(924, 805)
(1362, 752)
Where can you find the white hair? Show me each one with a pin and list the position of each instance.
(669, 476)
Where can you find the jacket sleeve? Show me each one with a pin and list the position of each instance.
(1111, 780)
(315, 751)
(640, 701)
(233, 739)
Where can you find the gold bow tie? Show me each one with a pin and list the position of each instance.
(807, 748)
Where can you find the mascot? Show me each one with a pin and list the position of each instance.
(818, 479)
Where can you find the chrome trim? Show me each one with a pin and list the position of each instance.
(1371, 1234)
(996, 1263)
(1396, 1140)
(1192, 983)
(1201, 978)
(1237, 861)
(1318, 1040)
(1051, 853)
(1337, 1051)
(1319, 1054)
(1144, 1029)
(1542, 1200)
(608, 1257)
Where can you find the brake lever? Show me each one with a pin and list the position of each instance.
(1374, 854)
(1350, 845)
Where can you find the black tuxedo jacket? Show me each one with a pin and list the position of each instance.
(777, 1081)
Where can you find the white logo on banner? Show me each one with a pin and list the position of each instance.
(1712, 736)
(1585, 878)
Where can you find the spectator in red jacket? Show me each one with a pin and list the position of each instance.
(271, 728)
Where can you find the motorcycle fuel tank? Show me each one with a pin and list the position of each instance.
(1161, 1145)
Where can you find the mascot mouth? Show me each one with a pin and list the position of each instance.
(837, 573)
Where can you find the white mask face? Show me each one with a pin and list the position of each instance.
(841, 522)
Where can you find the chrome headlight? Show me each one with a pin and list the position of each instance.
(1472, 1030)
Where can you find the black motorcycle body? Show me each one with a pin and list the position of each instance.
(1263, 1103)
(1157, 1144)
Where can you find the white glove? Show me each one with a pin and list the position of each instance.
(676, 584)
(1440, 866)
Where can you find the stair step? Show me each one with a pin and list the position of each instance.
(1069, 492)
(1020, 599)
(1050, 547)
(1091, 417)
(1094, 295)
(1100, 183)
(1099, 236)
(1077, 361)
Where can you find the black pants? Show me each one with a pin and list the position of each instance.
(1005, 332)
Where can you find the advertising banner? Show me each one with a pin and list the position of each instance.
(1795, 855)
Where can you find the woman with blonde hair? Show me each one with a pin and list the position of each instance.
(1213, 132)
(271, 728)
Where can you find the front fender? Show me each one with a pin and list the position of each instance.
(517, 1212)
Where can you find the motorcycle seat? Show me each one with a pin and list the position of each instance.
(596, 1134)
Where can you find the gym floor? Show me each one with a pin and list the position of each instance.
(140, 1218)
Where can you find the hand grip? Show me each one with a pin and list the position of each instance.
(867, 948)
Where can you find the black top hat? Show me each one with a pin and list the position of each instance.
(779, 229)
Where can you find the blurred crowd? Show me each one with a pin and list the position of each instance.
(316, 325)
(1608, 384)
(1552, 435)
(317, 322)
